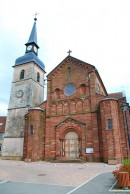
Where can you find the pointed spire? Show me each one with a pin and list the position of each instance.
(31, 52)
(33, 35)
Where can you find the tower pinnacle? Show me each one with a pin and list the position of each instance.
(32, 47)
(33, 35)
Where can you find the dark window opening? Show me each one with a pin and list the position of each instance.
(109, 124)
(22, 74)
(38, 77)
(69, 77)
(31, 130)
(0, 147)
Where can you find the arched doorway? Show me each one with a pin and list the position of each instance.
(71, 145)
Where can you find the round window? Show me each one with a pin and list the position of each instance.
(69, 89)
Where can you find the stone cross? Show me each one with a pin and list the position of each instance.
(69, 52)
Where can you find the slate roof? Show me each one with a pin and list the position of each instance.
(33, 35)
(29, 57)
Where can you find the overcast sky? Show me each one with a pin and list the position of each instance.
(97, 32)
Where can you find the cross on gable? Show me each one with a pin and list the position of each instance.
(69, 52)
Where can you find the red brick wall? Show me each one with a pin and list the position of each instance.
(123, 130)
(2, 127)
(34, 144)
(112, 142)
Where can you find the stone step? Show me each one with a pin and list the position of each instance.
(70, 160)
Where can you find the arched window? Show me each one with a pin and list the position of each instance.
(31, 130)
(83, 89)
(57, 93)
(38, 77)
(22, 74)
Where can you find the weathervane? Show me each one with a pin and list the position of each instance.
(35, 18)
(69, 52)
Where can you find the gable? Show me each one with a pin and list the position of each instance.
(69, 79)
(70, 60)
(69, 119)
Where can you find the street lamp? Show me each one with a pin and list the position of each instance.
(125, 108)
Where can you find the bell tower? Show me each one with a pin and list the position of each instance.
(27, 91)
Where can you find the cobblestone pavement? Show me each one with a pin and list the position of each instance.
(61, 177)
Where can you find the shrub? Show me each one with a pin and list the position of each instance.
(126, 161)
(125, 167)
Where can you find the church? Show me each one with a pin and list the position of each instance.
(78, 121)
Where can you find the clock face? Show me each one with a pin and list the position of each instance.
(35, 49)
(19, 93)
(69, 89)
(29, 47)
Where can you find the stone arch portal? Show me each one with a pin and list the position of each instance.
(71, 145)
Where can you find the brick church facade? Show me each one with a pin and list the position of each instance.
(79, 119)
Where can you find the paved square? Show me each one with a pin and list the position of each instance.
(46, 177)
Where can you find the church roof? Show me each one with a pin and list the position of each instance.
(29, 57)
(118, 95)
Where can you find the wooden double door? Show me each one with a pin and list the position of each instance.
(71, 145)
